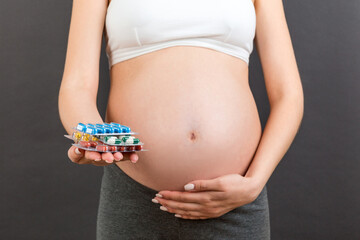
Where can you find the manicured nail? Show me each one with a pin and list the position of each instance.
(117, 158)
(163, 208)
(177, 215)
(77, 151)
(154, 200)
(108, 161)
(158, 195)
(135, 159)
(189, 186)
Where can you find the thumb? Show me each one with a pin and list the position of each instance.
(201, 185)
(75, 154)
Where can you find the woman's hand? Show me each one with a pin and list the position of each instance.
(209, 198)
(81, 156)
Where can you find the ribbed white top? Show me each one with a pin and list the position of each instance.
(136, 27)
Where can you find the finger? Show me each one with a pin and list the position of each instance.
(190, 197)
(205, 212)
(180, 205)
(107, 157)
(195, 214)
(133, 157)
(75, 154)
(192, 218)
(85, 161)
(91, 155)
(205, 185)
(118, 156)
(101, 163)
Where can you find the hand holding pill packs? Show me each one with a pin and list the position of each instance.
(106, 137)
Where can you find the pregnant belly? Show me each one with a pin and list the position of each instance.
(195, 124)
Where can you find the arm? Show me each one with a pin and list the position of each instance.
(284, 89)
(79, 86)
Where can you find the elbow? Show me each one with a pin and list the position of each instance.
(293, 99)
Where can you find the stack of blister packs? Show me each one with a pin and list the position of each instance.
(106, 137)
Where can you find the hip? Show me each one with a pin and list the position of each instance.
(125, 209)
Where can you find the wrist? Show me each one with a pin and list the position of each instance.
(255, 186)
(258, 178)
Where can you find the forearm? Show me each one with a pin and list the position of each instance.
(281, 128)
(77, 105)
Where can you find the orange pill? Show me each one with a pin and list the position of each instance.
(121, 148)
(131, 148)
(93, 144)
(138, 147)
(112, 148)
(84, 144)
(102, 148)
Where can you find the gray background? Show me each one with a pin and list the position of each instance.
(314, 192)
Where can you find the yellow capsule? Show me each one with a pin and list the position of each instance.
(76, 136)
(94, 139)
(85, 137)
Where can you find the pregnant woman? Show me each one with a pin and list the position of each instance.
(179, 77)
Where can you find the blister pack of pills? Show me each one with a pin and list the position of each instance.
(106, 137)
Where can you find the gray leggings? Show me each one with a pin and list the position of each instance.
(127, 212)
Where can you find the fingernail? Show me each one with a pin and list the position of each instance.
(77, 151)
(189, 186)
(154, 200)
(134, 161)
(97, 160)
(158, 195)
(108, 161)
(177, 215)
(163, 208)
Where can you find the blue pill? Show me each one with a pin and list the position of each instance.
(99, 130)
(91, 130)
(108, 130)
(81, 127)
(117, 129)
(125, 129)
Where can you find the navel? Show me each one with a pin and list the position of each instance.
(193, 136)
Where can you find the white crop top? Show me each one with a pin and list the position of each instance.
(136, 27)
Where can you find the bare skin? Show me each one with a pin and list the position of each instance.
(194, 110)
(198, 118)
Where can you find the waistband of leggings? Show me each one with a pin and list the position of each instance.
(119, 172)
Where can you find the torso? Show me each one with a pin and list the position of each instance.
(194, 111)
